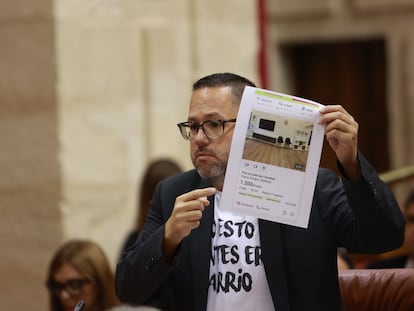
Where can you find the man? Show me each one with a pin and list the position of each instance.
(406, 260)
(192, 255)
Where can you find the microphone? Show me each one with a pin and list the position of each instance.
(79, 306)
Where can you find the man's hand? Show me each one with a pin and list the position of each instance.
(186, 215)
(341, 133)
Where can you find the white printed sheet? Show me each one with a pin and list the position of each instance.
(274, 157)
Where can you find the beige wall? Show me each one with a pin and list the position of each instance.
(90, 91)
(30, 179)
(124, 78)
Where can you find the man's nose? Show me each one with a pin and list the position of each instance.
(201, 137)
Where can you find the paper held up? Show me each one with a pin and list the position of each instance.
(274, 157)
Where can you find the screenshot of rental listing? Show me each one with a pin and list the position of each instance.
(274, 157)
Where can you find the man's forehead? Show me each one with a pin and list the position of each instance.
(217, 93)
(210, 115)
(212, 101)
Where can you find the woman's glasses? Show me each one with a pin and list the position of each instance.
(73, 286)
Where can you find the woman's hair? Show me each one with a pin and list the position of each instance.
(156, 171)
(91, 262)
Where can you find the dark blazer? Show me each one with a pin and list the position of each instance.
(300, 264)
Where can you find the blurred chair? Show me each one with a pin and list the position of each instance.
(377, 289)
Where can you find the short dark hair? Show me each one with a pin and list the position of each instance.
(226, 79)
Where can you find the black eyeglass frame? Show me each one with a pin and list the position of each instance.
(73, 286)
(188, 124)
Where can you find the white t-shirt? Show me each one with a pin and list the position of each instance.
(237, 277)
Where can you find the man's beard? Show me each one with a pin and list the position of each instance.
(213, 173)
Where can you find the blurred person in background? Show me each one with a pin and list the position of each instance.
(156, 171)
(134, 308)
(79, 270)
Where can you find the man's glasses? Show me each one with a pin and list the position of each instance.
(73, 286)
(211, 128)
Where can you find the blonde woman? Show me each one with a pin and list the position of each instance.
(79, 270)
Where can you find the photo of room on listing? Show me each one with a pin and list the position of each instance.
(278, 140)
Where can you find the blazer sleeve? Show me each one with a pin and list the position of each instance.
(364, 215)
(142, 271)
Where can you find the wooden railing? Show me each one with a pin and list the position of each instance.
(398, 175)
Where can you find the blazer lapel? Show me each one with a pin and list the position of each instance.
(200, 252)
(272, 257)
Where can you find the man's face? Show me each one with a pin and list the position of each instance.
(409, 229)
(209, 156)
